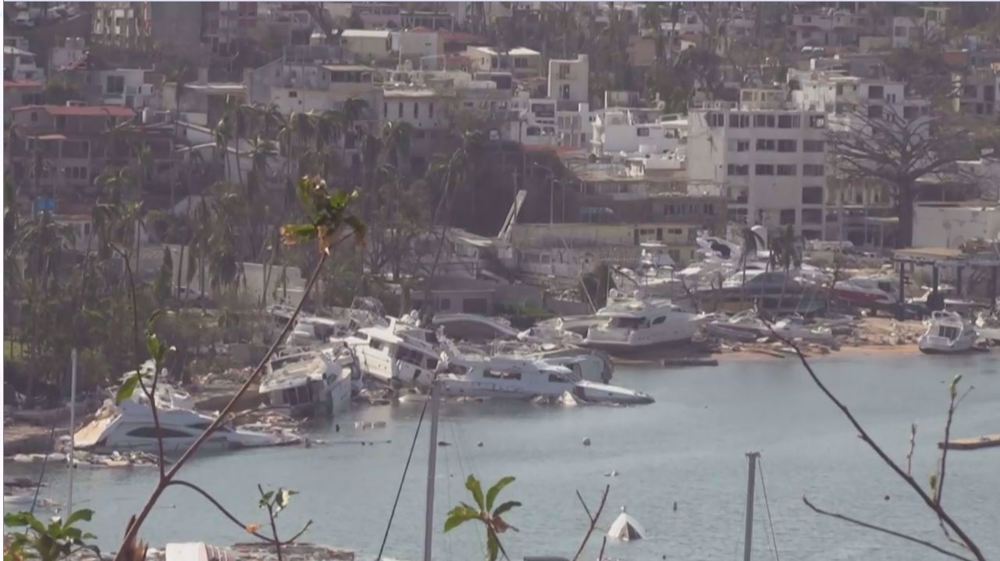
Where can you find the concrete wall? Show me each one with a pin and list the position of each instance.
(950, 226)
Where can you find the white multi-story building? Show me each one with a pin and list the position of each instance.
(911, 31)
(311, 87)
(824, 28)
(632, 130)
(522, 62)
(844, 98)
(569, 80)
(768, 158)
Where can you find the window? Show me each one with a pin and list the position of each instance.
(675, 231)
(789, 121)
(709, 209)
(715, 119)
(375, 344)
(875, 92)
(563, 71)
(812, 195)
(786, 169)
(737, 169)
(812, 170)
(787, 146)
(739, 121)
(763, 121)
(742, 145)
(840, 89)
(874, 111)
(910, 112)
(501, 375)
(787, 216)
(444, 304)
(813, 145)
(385, 110)
(60, 122)
(763, 169)
(416, 109)
(765, 145)
(150, 432)
(565, 91)
(642, 131)
(658, 320)
(400, 111)
(899, 31)
(293, 94)
(812, 216)
(115, 84)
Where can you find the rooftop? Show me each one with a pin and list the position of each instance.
(367, 33)
(347, 68)
(22, 84)
(81, 111)
(227, 88)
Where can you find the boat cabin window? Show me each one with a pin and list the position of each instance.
(375, 344)
(626, 323)
(501, 375)
(412, 357)
(948, 332)
(885, 286)
(658, 320)
(150, 432)
(432, 363)
(456, 369)
(297, 395)
(556, 378)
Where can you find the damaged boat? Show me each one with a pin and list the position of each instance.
(309, 382)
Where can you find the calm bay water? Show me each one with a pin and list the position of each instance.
(688, 447)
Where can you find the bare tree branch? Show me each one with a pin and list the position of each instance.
(913, 444)
(883, 530)
(943, 516)
(593, 521)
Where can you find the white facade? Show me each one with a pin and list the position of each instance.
(549, 122)
(367, 45)
(978, 91)
(824, 28)
(311, 87)
(423, 47)
(943, 225)
(68, 54)
(770, 163)
(569, 80)
(421, 108)
(520, 61)
(911, 31)
(632, 130)
(20, 64)
(124, 86)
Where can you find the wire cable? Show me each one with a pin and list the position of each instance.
(767, 505)
(399, 491)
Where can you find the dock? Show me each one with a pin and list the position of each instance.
(985, 441)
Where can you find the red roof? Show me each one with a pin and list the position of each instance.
(21, 84)
(84, 111)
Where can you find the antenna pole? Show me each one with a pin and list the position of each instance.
(751, 478)
(431, 468)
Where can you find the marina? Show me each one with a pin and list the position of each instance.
(687, 447)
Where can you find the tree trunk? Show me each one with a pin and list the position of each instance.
(904, 209)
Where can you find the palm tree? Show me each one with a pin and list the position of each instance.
(752, 241)
(786, 252)
(484, 512)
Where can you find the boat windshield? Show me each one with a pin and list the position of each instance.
(626, 322)
(948, 332)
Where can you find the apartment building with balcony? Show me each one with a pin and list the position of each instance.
(768, 158)
(522, 62)
(633, 129)
(978, 91)
(173, 26)
(61, 149)
(825, 27)
(311, 86)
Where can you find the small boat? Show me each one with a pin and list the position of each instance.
(501, 377)
(309, 383)
(634, 323)
(796, 328)
(397, 354)
(947, 333)
(868, 291)
(626, 528)
(744, 326)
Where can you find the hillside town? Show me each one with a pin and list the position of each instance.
(542, 194)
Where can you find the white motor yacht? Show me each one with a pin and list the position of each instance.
(474, 327)
(743, 326)
(308, 383)
(515, 378)
(130, 426)
(636, 323)
(947, 332)
(395, 354)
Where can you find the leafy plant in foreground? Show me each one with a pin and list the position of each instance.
(484, 512)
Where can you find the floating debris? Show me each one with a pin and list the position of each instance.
(586, 441)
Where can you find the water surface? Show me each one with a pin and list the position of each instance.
(686, 448)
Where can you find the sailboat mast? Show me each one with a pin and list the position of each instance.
(751, 478)
(431, 468)
(72, 428)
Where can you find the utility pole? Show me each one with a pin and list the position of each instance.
(431, 469)
(751, 479)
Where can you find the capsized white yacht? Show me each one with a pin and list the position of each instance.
(130, 426)
(635, 323)
(517, 378)
(309, 382)
(947, 333)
